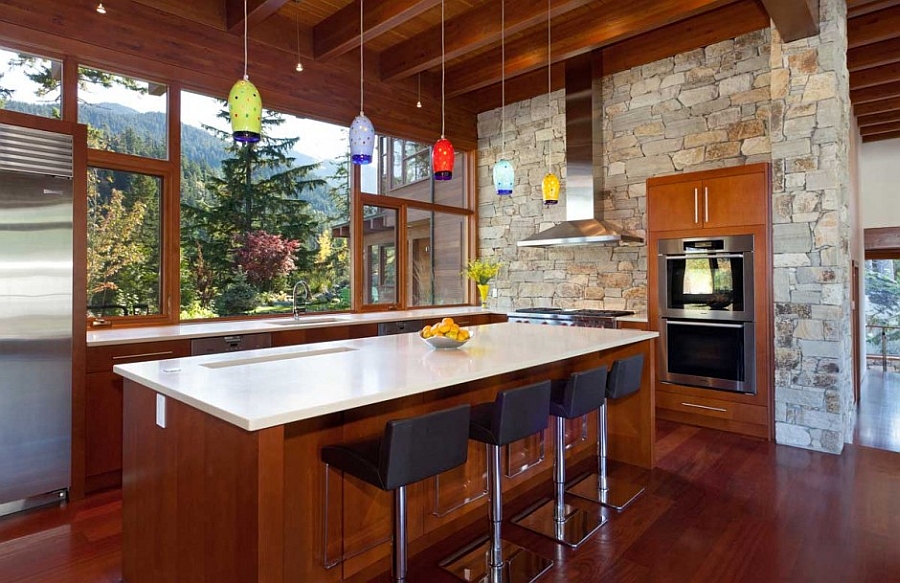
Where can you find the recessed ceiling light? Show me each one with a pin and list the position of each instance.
(101, 9)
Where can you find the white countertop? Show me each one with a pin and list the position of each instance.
(257, 389)
(111, 336)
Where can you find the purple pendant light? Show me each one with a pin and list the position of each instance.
(504, 174)
(362, 132)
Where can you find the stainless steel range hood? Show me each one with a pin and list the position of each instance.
(584, 162)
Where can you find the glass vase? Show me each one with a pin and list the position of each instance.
(483, 289)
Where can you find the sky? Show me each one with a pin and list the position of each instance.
(319, 140)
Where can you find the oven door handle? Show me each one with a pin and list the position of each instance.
(704, 324)
(706, 256)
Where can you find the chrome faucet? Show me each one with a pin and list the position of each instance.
(296, 311)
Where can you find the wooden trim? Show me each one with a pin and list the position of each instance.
(881, 239)
(707, 174)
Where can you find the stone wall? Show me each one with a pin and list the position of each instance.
(749, 99)
(811, 236)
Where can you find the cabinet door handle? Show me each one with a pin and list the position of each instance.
(696, 208)
(705, 204)
(719, 409)
(144, 355)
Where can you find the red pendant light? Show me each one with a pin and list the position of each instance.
(442, 155)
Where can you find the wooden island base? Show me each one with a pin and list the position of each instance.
(206, 501)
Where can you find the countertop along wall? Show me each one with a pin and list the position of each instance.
(749, 99)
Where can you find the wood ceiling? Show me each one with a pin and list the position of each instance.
(873, 57)
(199, 43)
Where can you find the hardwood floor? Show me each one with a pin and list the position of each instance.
(719, 508)
(878, 415)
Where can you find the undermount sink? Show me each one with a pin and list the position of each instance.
(307, 320)
(276, 357)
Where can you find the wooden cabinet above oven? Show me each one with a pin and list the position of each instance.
(729, 202)
(727, 197)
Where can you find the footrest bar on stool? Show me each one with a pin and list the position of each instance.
(575, 526)
(618, 493)
(472, 563)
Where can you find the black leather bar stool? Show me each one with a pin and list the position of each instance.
(515, 414)
(570, 398)
(624, 379)
(410, 450)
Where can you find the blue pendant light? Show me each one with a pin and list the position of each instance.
(362, 132)
(504, 177)
(504, 173)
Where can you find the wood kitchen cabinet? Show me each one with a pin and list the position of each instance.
(103, 406)
(721, 202)
(728, 197)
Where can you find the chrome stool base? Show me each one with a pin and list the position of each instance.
(618, 493)
(574, 525)
(472, 563)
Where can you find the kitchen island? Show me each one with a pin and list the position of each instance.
(222, 478)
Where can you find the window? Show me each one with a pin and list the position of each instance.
(256, 220)
(124, 241)
(125, 114)
(30, 84)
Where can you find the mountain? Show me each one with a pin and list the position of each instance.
(143, 134)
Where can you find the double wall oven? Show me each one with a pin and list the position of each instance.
(706, 321)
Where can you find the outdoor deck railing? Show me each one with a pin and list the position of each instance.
(885, 340)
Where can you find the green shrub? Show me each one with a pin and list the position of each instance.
(239, 297)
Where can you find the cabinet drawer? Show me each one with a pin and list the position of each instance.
(103, 358)
(709, 407)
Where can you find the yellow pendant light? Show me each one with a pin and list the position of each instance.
(550, 184)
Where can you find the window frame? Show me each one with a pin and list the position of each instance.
(169, 172)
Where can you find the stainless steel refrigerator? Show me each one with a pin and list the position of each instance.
(35, 317)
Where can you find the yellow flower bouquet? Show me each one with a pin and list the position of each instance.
(482, 270)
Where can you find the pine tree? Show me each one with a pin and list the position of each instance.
(259, 190)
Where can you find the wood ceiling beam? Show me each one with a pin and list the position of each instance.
(472, 30)
(257, 11)
(597, 28)
(880, 129)
(873, 27)
(208, 60)
(880, 106)
(860, 7)
(700, 31)
(875, 76)
(874, 55)
(339, 33)
(875, 93)
(794, 19)
(877, 119)
(881, 137)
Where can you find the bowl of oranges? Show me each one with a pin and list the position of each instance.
(445, 334)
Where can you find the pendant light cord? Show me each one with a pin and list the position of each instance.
(502, 77)
(360, 57)
(245, 41)
(549, 108)
(443, 91)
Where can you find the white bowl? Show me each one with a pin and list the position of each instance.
(444, 343)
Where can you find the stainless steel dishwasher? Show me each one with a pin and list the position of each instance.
(232, 343)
